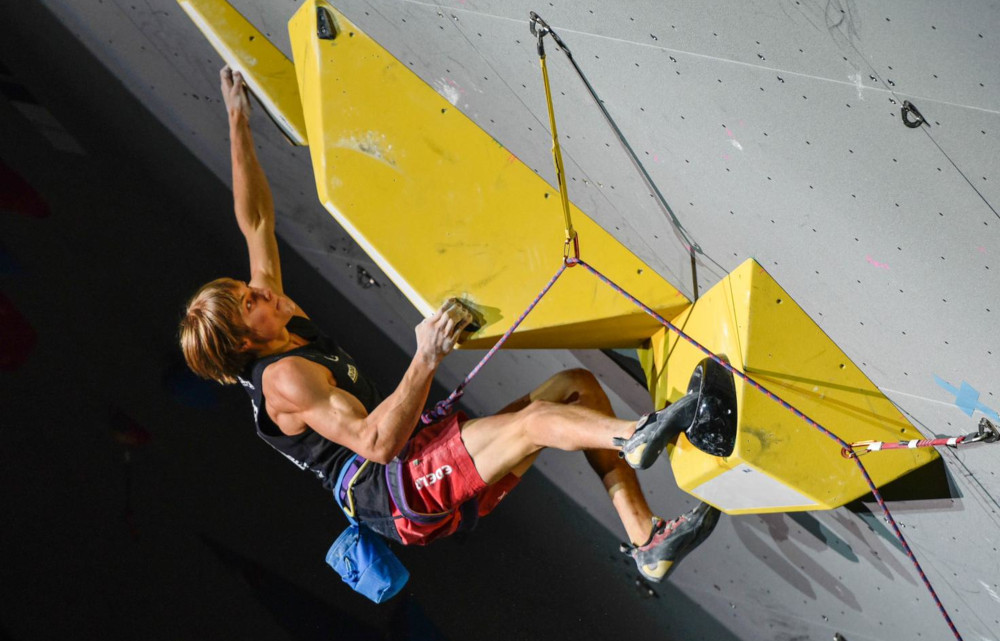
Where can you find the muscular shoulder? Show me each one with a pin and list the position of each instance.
(303, 395)
(294, 383)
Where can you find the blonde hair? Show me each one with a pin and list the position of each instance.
(212, 332)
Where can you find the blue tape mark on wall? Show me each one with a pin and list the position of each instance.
(967, 398)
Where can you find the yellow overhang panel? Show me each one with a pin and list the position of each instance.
(780, 462)
(266, 71)
(445, 210)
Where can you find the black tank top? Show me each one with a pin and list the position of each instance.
(310, 450)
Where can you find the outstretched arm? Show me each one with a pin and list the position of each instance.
(302, 395)
(251, 193)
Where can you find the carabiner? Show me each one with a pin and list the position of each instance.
(575, 241)
(988, 433)
(908, 109)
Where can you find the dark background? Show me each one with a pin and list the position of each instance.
(137, 502)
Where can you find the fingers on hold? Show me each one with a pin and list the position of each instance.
(453, 317)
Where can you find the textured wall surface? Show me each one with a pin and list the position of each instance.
(773, 129)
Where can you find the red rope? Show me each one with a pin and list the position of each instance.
(444, 407)
(800, 414)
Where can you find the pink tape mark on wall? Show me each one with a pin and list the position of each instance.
(874, 262)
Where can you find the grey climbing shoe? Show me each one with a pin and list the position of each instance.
(706, 415)
(655, 430)
(670, 541)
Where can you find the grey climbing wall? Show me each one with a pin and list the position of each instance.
(774, 131)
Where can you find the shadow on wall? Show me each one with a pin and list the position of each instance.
(791, 553)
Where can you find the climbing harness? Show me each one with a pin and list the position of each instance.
(359, 555)
(988, 432)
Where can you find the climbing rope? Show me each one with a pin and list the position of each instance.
(987, 431)
(443, 408)
(843, 444)
(539, 28)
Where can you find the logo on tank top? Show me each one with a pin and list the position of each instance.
(352, 372)
(433, 477)
(300, 464)
(335, 359)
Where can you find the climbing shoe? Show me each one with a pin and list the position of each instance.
(670, 541)
(655, 430)
(706, 415)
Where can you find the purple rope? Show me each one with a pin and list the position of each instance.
(443, 408)
(797, 412)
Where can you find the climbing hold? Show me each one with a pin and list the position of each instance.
(714, 427)
(326, 28)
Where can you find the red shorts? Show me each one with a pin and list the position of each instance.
(438, 475)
